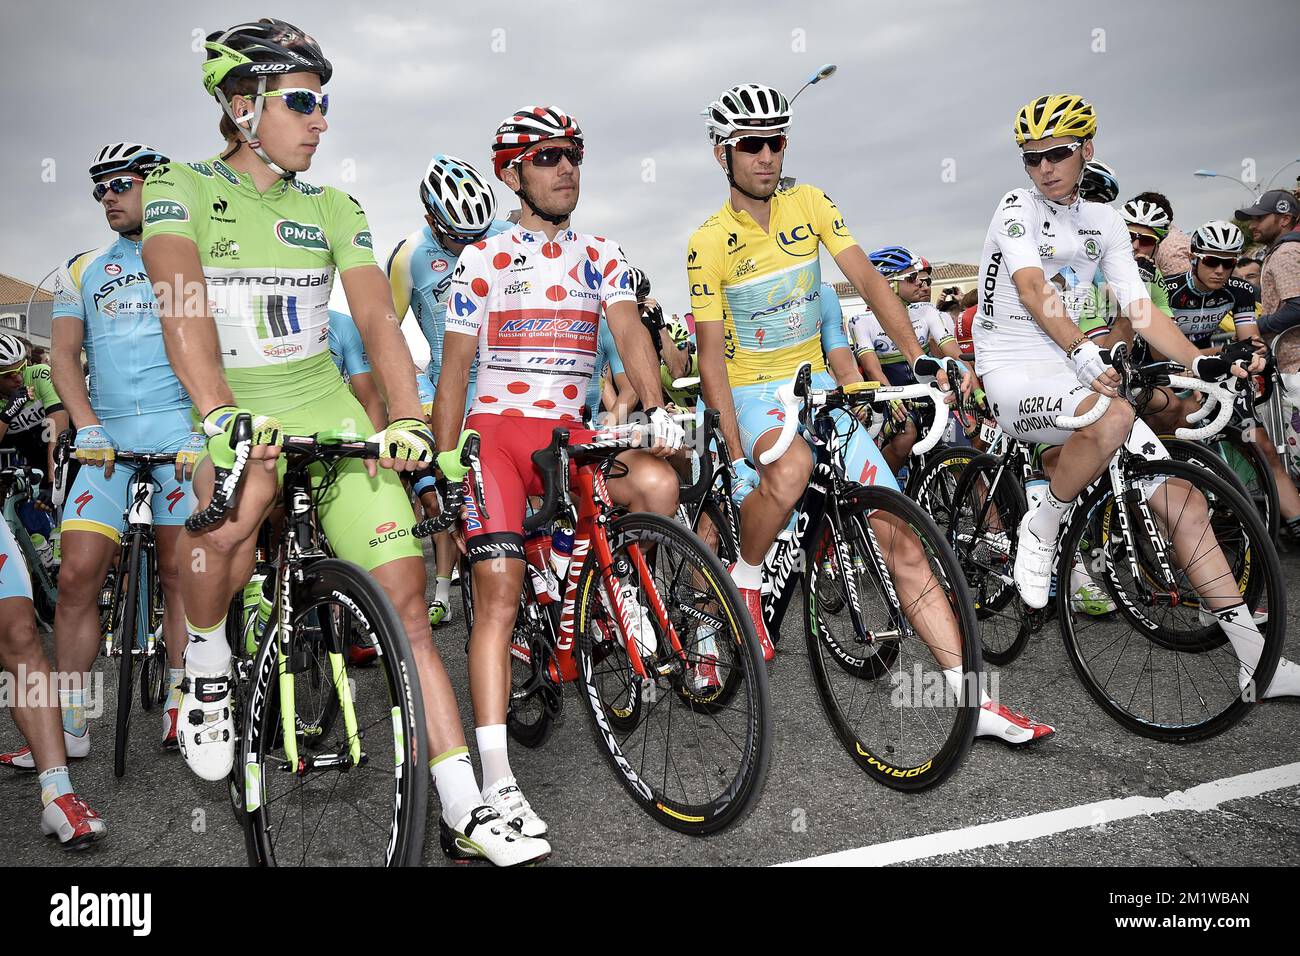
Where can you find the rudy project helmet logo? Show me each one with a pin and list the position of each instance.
(304, 235)
(165, 210)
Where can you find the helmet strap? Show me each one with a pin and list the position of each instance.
(731, 178)
(522, 193)
(248, 130)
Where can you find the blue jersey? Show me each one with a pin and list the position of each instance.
(419, 271)
(345, 346)
(108, 292)
(834, 335)
(606, 355)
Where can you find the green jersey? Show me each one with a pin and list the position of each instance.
(42, 402)
(269, 261)
(1095, 316)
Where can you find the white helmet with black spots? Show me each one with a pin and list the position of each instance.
(126, 158)
(13, 351)
(1139, 212)
(1218, 236)
(458, 197)
(749, 106)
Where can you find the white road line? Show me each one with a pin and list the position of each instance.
(1206, 796)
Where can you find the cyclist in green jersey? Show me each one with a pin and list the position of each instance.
(242, 255)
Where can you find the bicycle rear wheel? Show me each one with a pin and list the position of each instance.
(989, 504)
(895, 712)
(358, 792)
(1162, 666)
(934, 486)
(694, 758)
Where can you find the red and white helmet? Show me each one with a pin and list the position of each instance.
(528, 126)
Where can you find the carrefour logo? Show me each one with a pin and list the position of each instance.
(304, 235)
(462, 304)
(163, 210)
(590, 277)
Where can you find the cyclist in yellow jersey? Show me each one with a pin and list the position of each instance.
(270, 354)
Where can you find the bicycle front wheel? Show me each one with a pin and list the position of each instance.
(880, 678)
(133, 587)
(357, 792)
(691, 743)
(1163, 665)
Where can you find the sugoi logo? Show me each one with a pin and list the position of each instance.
(304, 235)
(462, 305)
(164, 210)
(386, 527)
(130, 910)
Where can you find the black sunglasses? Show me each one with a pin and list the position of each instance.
(549, 156)
(1218, 262)
(1057, 154)
(119, 185)
(1143, 240)
(755, 144)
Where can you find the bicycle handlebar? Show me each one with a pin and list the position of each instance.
(1225, 400)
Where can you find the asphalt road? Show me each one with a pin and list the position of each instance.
(816, 802)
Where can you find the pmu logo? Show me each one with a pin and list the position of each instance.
(174, 498)
(83, 499)
(461, 304)
(590, 277)
(800, 233)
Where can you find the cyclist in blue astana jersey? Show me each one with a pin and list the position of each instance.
(349, 356)
(258, 344)
(459, 207)
(104, 304)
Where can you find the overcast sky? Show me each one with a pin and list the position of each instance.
(1178, 86)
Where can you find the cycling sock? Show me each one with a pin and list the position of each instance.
(492, 752)
(442, 591)
(73, 704)
(954, 677)
(746, 575)
(55, 783)
(1239, 627)
(174, 677)
(208, 651)
(1046, 522)
(453, 776)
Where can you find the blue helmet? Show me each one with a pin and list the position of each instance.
(891, 260)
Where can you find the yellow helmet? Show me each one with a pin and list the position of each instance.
(1055, 114)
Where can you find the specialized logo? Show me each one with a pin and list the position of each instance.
(174, 497)
(303, 235)
(364, 240)
(82, 500)
(165, 210)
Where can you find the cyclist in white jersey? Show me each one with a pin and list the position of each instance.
(1040, 257)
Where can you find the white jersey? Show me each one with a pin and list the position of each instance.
(1070, 244)
(927, 323)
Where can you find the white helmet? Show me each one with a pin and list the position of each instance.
(750, 106)
(457, 196)
(125, 157)
(1218, 236)
(13, 351)
(1139, 212)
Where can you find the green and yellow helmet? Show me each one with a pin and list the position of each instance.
(265, 48)
(1055, 114)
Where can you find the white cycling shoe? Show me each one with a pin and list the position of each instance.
(1034, 561)
(482, 835)
(999, 722)
(1285, 682)
(206, 730)
(21, 759)
(512, 806)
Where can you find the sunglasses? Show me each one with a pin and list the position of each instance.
(441, 232)
(302, 101)
(1057, 154)
(119, 185)
(755, 144)
(1218, 262)
(549, 156)
(917, 278)
(1143, 240)
(16, 370)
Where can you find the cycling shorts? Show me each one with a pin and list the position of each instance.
(99, 504)
(367, 520)
(15, 580)
(509, 480)
(758, 411)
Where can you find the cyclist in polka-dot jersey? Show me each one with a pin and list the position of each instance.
(528, 303)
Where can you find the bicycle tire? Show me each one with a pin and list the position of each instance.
(735, 792)
(1004, 619)
(396, 708)
(896, 763)
(1211, 457)
(1196, 664)
(153, 667)
(934, 484)
(125, 638)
